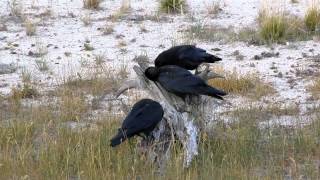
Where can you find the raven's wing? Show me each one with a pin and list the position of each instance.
(142, 117)
(196, 55)
(181, 81)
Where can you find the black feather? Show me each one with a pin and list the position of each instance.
(185, 56)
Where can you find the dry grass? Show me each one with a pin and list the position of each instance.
(279, 27)
(109, 29)
(94, 85)
(37, 143)
(39, 147)
(27, 91)
(125, 6)
(262, 114)
(274, 26)
(314, 88)
(86, 19)
(42, 64)
(91, 4)
(16, 8)
(210, 33)
(173, 6)
(31, 27)
(249, 85)
(17, 94)
(214, 8)
(122, 11)
(72, 105)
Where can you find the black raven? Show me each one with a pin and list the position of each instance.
(181, 82)
(143, 118)
(185, 56)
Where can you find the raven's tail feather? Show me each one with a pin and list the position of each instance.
(118, 139)
(216, 93)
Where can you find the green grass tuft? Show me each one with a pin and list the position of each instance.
(173, 6)
(272, 29)
(312, 19)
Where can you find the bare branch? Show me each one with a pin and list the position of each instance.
(129, 84)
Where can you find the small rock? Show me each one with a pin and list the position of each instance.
(269, 54)
(236, 53)
(67, 54)
(7, 68)
(30, 53)
(133, 40)
(280, 75)
(257, 57)
(119, 36)
(240, 57)
(4, 85)
(304, 55)
(88, 47)
(216, 49)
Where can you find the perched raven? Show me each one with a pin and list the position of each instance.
(143, 118)
(181, 82)
(185, 56)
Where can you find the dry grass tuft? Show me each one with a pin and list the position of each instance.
(16, 8)
(109, 29)
(214, 8)
(210, 33)
(27, 91)
(173, 6)
(42, 64)
(262, 114)
(94, 85)
(125, 6)
(37, 144)
(86, 19)
(249, 84)
(279, 26)
(72, 105)
(91, 4)
(314, 88)
(31, 27)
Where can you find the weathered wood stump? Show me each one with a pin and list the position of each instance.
(182, 120)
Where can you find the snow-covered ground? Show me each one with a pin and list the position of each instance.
(61, 35)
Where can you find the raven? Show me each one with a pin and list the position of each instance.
(181, 82)
(143, 118)
(185, 56)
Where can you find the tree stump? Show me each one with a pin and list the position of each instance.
(182, 120)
